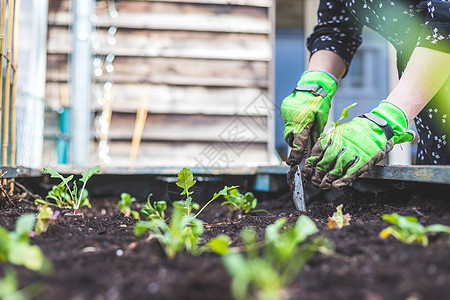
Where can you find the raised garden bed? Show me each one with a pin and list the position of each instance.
(97, 256)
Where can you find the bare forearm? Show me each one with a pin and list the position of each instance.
(328, 61)
(426, 72)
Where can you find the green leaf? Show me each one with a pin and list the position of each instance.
(24, 225)
(438, 228)
(28, 256)
(219, 244)
(8, 284)
(55, 174)
(304, 228)
(185, 181)
(344, 114)
(88, 174)
(135, 214)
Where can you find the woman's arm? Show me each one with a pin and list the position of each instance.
(426, 72)
(327, 61)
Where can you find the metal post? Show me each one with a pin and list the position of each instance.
(81, 81)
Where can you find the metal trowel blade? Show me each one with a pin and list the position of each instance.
(299, 193)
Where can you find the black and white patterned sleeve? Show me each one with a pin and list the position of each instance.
(435, 33)
(337, 31)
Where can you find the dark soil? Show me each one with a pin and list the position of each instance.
(96, 256)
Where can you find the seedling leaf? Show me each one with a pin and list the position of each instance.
(185, 181)
(344, 114)
(219, 244)
(338, 220)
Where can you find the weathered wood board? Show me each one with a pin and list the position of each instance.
(204, 66)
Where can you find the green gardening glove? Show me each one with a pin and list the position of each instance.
(305, 112)
(354, 147)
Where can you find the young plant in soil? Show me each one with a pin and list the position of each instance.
(241, 203)
(45, 218)
(9, 287)
(408, 230)
(184, 230)
(155, 210)
(15, 246)
(66, 196)
(125, 206)
(285, 252)
(182, 233)
(338, 220)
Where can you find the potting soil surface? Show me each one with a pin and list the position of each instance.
(96, 256)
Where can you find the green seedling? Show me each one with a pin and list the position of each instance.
(182, 233)
(66, 194)
(9, 287)
(408, 230)
(15, 246)
(241, 203)
(285, 252)
(155, 211)
(186, 181)
(344, 114)
(45, 218)
(125, 206)
(338, 220)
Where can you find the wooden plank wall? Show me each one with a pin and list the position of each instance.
(204, 65)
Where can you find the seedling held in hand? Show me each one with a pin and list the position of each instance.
(285, 252)
(343, 116)
(66, 194)
(15, 246)
(45, 218)
(338, 220)
(155, 211)
(408, 230)
(125, 205)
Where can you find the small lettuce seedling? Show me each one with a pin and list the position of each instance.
(45, 218)
(9, 287)
(15, 246)
(186, 181)
(182, 233)
(285, 252)
(408, 230)
(239, 202)
(338, 219)
(155, 211)
(66, 196)
(125, 206)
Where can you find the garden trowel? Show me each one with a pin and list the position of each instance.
(298, 193)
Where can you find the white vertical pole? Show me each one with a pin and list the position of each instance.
(401, 154)
(81, 82)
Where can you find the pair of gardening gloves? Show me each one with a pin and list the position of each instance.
(339, 157)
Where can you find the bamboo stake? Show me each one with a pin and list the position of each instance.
(139, 124)
(14, 88)
(2, 44)
(6, 113)
(7, 94)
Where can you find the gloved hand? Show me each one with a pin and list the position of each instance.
(305, 112)
(354, 147)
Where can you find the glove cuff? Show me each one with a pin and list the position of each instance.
(395, 117)
(323, 80)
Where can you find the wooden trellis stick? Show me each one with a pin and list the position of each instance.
(7, 94)
(139, 124)
(2, 45)
(14, 88)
